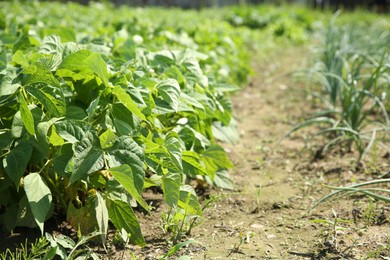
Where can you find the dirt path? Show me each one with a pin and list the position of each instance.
(276, 184)
(263, 219)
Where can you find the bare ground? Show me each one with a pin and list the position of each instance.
(267, 216)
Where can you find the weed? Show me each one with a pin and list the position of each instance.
(38, 249)
(333, 231)
(243, 238)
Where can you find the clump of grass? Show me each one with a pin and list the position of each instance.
(36, 250)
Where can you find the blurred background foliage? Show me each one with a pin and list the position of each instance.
(375, 5)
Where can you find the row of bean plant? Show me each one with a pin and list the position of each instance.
(99, 103)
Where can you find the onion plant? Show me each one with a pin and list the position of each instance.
(352, 73)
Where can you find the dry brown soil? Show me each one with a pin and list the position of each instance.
(267, 216)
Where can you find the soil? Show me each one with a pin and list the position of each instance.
(277, 181)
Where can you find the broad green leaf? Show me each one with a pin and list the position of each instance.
(88, 71)
(107, 139)
(124, 175)
(58, 250)
(20, 59)
(88, 157)
(54, 138)
(26, 115)
(123, 120)
(71, 131)
(75, 62)
(192, 164)
(127, 151)
(56, 107)
(44, 126)
(172, 144)
(96, 64)
(37, 73)
(122, 216)
(39, 197)
(23, 41)
(188, 200)
(17, 126)
(65, 241)
(189, 100)
(25, 217)
(52, 45)
(126, 100)
(41, 142)
(8, 86)
(226, 134)
(16, 161)
(5, 140)
(224, 109)
(57, 35)
(75, 112)
(171, 188)
(101, 216)
(222, 180)
(63, 163)
(92, 107)
(215, 158)
(3, 60)
(169, 91)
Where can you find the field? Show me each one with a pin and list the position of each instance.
(233, 133)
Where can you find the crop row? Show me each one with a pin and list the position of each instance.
(98, 104)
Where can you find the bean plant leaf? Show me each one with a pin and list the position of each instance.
(173, 147)
(37, 73)
(63, 163)
(169, 91)
(56, 107)
(122, 216)
(192, 164)
(188, 200)
(75, 62)
(215, 158)
(8, 86)
(107, 139)
(20, 59)
(171, 188)
(88, 157)
(222, 180)
(101, 215)
(39, 197)
(124, 175)
(126, 100)
(15, 162)
(96, 64)
(127, 151)
(25, 113)
(70, 131)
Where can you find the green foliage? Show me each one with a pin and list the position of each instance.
(100, 104)
(352, 74)
(288, 22)
(36, 250)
